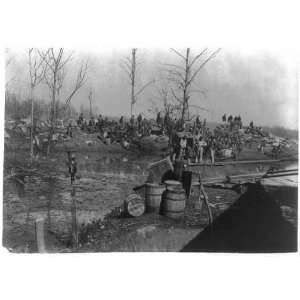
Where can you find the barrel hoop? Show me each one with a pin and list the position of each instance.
(175, 212)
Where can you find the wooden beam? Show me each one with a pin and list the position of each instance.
(241, 162)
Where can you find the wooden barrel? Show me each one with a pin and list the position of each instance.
(173, 184)
(153, 196)
(134, 205)
(174, 204)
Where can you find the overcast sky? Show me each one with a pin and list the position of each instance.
(260, 86)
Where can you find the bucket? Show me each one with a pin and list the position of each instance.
(134, 205)
(153, 196)
(174, 203)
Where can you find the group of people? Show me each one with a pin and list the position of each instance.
(233, 122)
(199, 147)
(198, 142)
(192, 140)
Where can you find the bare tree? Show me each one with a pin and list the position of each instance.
(56, 62)
(90, 100)
(129, 64)
(80, 81)
(37, 71)
(165, 100)
(184, 75)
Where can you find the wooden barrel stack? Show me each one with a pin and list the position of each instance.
(174, 203)
(153, 196)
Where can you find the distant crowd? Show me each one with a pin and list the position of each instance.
(192, 140)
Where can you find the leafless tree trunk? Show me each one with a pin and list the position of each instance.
(185, 74)
(37, 71)
(54, 77)
(130, 66)
(91, 99)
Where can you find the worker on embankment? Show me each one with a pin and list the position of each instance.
(183, 145)
(69, 130)
(212, 148)
(72, 166)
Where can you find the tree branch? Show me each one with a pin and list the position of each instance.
(199, 107)
(80, 81)
(175, 66)
(176, 97)
(197, 57)
(213, 55)
(143, 88)
(178, 53)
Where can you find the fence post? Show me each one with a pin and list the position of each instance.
(40, 235)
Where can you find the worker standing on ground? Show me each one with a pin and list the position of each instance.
(212, 149)
(80, 119)
(139, 121)
(202, 144)
(183, 144)
(158, 119)
(132, 121)
(261, 146)
(72, 166)
(69, 130)
(224, 118)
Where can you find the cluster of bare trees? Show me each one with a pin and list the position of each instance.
(49, 67)
(182, 76)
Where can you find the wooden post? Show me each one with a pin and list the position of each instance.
(40, 235)
(31, 131)
(74, 219)
(185, 89)
(91, 98)
(205, 199)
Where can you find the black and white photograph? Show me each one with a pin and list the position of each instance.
(144, 150)
(149, 149)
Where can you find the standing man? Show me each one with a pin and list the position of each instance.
(69, 130)
(183, 144)
(80, 119)
(224, 118)
(132, 121)
(72, 166)
(139, 120)
(201, 145)
(158, 119)
(212, 148)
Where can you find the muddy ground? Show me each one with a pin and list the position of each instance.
(107, 175)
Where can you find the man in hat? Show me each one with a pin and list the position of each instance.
(183, 144)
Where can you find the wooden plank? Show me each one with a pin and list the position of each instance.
(240, 162)
(40, 235)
